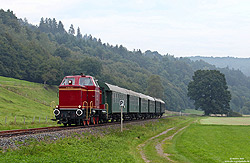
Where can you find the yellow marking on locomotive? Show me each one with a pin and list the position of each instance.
(77, 89)
(74, 107)
(91, 105)
(69, 107)
(85, 106)
(72, 89)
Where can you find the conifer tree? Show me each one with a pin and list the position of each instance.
(71, 30)
(61, 28)
(78, 35)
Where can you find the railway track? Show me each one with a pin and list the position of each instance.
(13, 133)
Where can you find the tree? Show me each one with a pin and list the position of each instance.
(155, 88)
(61, 28)
(210, 92)
(79, 35)
(71, 30)
(246, 108)
(49, 75)
(62, 52)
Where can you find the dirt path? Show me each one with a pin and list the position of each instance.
(159, 148)
(139, 147)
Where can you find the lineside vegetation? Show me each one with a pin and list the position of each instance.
(103, 146)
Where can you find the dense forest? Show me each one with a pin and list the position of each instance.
(47, 52)
(243, 64)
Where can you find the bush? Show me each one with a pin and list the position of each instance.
(234, 114)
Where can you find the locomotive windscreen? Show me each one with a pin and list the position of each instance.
(66, 81)
(86, 81)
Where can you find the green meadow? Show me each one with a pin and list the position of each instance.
(193, 111)
(226, 120)
(22, 101)
(214, 139)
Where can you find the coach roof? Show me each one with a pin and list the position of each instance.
(115, 88)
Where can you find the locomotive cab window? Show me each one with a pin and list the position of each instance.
(68, 81)
(86, 82)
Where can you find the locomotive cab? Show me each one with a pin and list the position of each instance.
(79, 101)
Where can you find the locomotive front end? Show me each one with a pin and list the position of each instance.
(79, 101)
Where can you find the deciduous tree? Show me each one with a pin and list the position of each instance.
(210, 92)
(155, 88)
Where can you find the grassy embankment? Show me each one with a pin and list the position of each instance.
(111, 146)
(215, 139)
(25, 99)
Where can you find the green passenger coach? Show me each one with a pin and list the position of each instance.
(137, 105)
(133, 102)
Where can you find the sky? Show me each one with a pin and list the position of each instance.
(181, 28)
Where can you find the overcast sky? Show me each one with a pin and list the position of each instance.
(216, 28)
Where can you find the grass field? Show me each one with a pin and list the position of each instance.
(25, 100)
(224, 142)
(113, 146)
(193, 111)
(226, 120)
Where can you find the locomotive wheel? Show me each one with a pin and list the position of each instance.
(87, 122)
(97, 120)
(64, 124)
(93, 120)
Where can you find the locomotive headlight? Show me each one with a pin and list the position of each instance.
(93, 111)
(79, 106)
(56, 112)
(57, 106)
(79, 112)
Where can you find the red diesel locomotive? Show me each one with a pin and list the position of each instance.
(82, 101)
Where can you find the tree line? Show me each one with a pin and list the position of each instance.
(46, 53)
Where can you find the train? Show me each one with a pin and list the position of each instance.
(83, 100)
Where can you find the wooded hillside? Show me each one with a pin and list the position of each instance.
(243, 64)
(46, 53)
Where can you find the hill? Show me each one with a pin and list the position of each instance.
(46, 53)
(25, 99)
(242, 64)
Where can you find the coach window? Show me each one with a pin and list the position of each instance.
(66, 81)
(86, 81)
